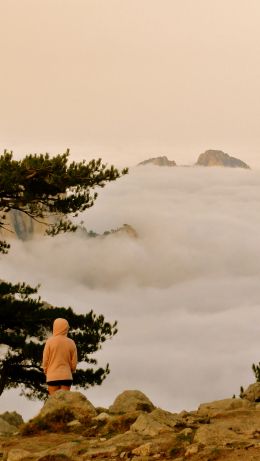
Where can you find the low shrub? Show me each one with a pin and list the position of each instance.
(54, 422)
(58, 457)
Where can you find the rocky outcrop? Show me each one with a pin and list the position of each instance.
(219, 158)
(10, 422)
(12, 417)
(252, 393)
(155, 423)
(128, 230)
(218, 407)
(158, 161)
(131, 401)
(227, 430)
(74, 402)
(6, 428)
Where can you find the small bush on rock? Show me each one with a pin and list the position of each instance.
(176, 451)
(185, 437)
(55, 422)
(120, 424)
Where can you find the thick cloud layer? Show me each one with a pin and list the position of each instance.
(185, 292)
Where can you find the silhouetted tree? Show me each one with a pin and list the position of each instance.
(40, 186)
(256, 371)
(25, 322)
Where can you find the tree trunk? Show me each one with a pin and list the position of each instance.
(3, 377)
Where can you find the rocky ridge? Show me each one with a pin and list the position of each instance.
(158, 161)
(69, 428)
(211, 157)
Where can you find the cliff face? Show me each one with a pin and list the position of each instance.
(219, 158)
(19, 225)
(158, 161)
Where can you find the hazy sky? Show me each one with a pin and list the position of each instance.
(185, 292)
(125, 79)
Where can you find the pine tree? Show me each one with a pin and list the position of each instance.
(40, 186)
(256, 371)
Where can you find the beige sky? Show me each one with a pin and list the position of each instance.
(125, 79)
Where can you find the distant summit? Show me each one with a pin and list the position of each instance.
(22, 226)
(208, 158)
(219, 158)
(158, 161)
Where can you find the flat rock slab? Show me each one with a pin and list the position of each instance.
(237, 428)
(218, 407)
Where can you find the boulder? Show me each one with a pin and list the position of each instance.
(64, 451)
(147, 426)
(252, 393)
(121, 443)
(129, 401)
(12, 418)
(74, 424)
(143, 450)
(166, 417)
(103, 417)
(217, 407)
(6, 428)
(76, 402)
(155, 423)
(129, 441)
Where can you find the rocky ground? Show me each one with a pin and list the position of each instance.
(69, 428)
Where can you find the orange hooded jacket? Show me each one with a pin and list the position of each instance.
(60, 353)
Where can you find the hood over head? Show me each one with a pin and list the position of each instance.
(60, 327)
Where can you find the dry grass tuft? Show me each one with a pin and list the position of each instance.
(54, 422)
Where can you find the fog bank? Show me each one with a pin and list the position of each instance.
(185, 292)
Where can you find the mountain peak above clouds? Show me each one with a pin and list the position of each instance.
(211, 157)
(219, 158)
(158, 161)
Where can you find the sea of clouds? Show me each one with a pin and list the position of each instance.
(186, 292)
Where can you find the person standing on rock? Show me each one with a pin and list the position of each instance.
(59, 358)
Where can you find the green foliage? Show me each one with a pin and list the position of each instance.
(25, 322)
(119, 424)
(182, 437)
(4, 246)
(41, 186)
(92, 234)
(256, 371)
(241, 394)
(55, 422)
(176, 451)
